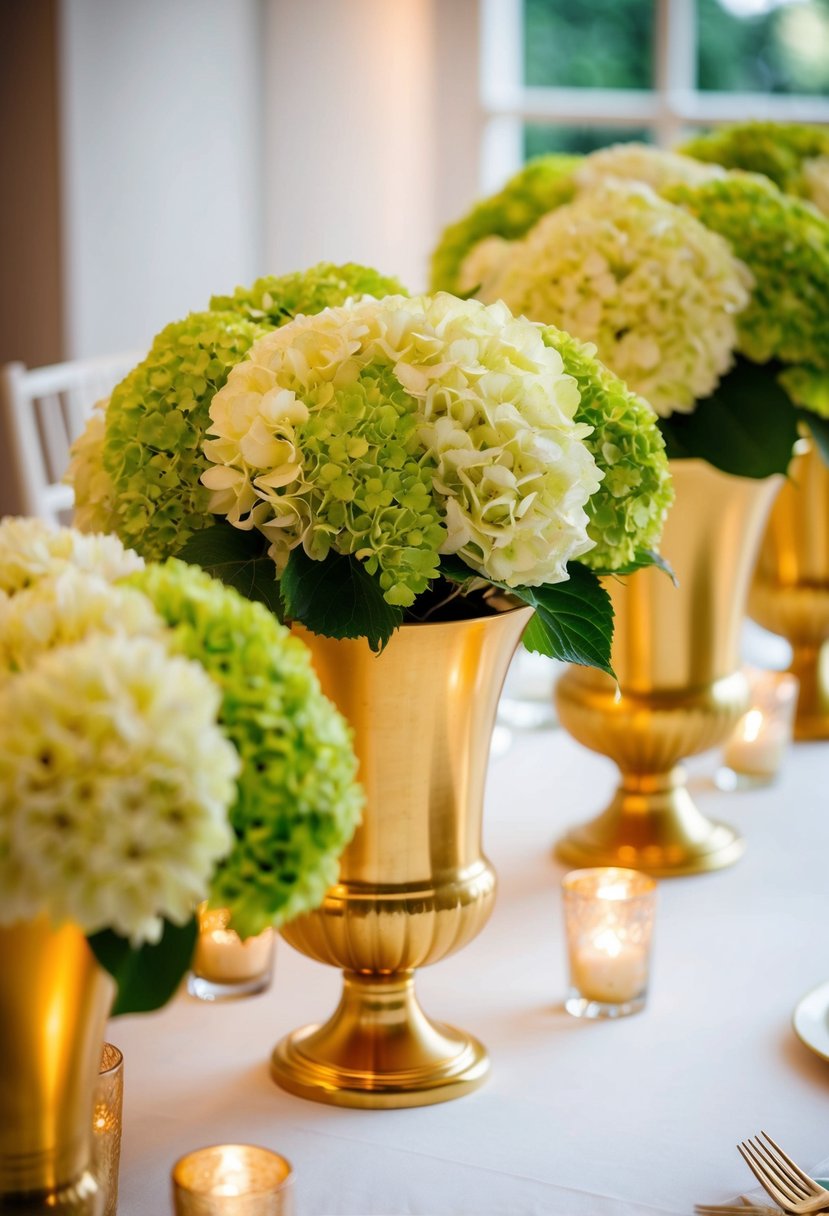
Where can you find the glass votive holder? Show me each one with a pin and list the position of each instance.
(608, 919)
(224, 965)
(233, 1180)
(106, 1126)
(756, 748)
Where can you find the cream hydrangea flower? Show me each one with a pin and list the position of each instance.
(115, 781)
(643, 163)
(31, 549)
(67, 607)
(401, 429)
(658, 293)
(92, 484)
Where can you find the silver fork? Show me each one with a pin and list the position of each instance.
(790, 1188)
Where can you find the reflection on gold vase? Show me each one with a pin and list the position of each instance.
(414, 885)
(676, 655)
(790, 592)
(54, 1002)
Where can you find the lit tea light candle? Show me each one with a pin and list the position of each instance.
(226, 966)
(754, 753)
(608, 915)
(106, 1126)
(232, 1180)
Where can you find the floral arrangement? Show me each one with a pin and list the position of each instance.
(656, 291)
(358, 466)
(756, 366)
(164, 741)
(794, 155)
(137, 467)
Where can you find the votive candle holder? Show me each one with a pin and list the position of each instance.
(608, 919)
(224, 965)
(232, 1180)
(106, 1126)
(758, 744)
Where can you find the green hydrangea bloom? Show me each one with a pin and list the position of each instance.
(628, 510)
(808, 387)
(543, 184)
(785, 244)
(776, 149)
(276, 300)
(298, 802)
(155, 425)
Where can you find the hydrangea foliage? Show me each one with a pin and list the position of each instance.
(655, 290)
(400, 430)
(297, 802)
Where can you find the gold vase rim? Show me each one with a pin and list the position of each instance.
(516, 605)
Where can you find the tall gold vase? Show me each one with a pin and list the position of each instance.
(414, 885)
(676, 655)
(790, 592)
(54, 1002)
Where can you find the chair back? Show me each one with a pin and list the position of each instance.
(44, 410)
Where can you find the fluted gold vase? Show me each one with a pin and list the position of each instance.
(676, 655)
(54, 1002)
(414, 885)
(790, 592)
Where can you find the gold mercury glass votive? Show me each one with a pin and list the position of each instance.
(233, 1180)
(223, 965)
(608, 918)
(754, 752)
(106, 1126)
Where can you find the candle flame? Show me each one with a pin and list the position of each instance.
(608, 942)
(752, 725)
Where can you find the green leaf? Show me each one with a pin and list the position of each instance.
(239, 559)
(819, 430)
(338, 598)
(147, 976)
(641, 560)
(747, 427)
(573, 621)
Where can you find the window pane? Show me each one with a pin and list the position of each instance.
(540, 139)
(763, 46)
(599, 44)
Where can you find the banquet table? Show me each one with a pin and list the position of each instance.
(614, 1118)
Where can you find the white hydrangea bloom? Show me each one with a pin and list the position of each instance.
(637, 162)
(816, 178)
(64, 608)
(92, 485)
(115, 781)
(31, 549)
(482, 428)
(658, 293)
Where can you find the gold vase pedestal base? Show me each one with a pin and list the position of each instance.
(379, 1051)
(653, 825)
(82, 1197)
(811, 666)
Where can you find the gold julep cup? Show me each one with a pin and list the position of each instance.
(54, 1002)
(676, 652)
(790, 592)
(414, 885)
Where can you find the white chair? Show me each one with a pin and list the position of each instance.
(44, 409)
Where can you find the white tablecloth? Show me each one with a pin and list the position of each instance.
(633, 1117)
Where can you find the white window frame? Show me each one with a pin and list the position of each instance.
(673, 104)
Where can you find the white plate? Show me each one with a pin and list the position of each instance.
(811, 1020)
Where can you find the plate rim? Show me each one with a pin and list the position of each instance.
(798, 1009)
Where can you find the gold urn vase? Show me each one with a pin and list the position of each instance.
(414, 885)
(676, 652)
(54, 1002)
(790, 592)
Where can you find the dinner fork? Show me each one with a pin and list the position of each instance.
(790, 1188)
(746, 1208)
